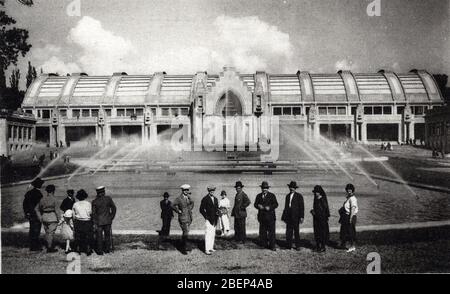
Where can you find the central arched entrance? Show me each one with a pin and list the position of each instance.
(235, 130)
(229, 105)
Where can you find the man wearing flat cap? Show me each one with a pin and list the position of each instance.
(293, 214)
(103, 213)
(31, 211)
(183, 206)
(266, 203)
(241, 202)
(209, 208)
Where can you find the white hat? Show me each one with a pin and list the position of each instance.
(68, 213)
(100, 189)
(185, 187)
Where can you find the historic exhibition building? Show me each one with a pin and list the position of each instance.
(364, 107)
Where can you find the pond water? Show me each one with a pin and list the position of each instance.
(137, 197)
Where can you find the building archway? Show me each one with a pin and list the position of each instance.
(228, 105)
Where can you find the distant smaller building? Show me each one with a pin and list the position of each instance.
(437, 126)
(17, 131)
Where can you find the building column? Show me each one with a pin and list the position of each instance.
(316, 133)
(153, 134)
(352, 131)
(198, 131)
(310, 132)
(143, 134)
(411, 131)
(305, 131)
(97, 131)
(364, 132)
(52, 138)
(13, 133)
(189, 137)
(400, 127)
(61, 134)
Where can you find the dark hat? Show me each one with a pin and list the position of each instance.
(70, 192)
(318, 189)
(238, 184)
(350, 187)
(37, 183)
(264, 185)
(166, 195)
(50, 188)
(100, 189)
(293, 184)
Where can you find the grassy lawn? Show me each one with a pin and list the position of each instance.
(403, 251)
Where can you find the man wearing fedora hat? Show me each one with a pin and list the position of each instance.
(209, 208)
(293, 214)
(266, 203)
(241, 202)
(103, 213)
(31, 211)
(183, 205)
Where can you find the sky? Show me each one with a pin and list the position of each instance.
(100, 37)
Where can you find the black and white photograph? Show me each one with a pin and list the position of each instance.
(225, 137)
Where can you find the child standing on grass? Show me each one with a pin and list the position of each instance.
(224, 209)
(66, 224)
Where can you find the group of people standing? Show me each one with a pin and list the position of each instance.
(217, 216)
(79, 220)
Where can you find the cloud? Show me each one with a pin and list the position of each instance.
(345, 64)
(102, 51)
(251, 44)
(44, 53)
(247, 43)
(56, 65)
(50, 60)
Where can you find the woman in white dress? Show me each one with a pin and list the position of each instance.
(224, 209)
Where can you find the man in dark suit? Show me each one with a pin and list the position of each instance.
(293, 214)
(183, 205)
(103, 213)
(266, 203)
(241, 202)
(209, 208)
(31, 211)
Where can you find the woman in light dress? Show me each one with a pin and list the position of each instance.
(67, 229)
(224, 214)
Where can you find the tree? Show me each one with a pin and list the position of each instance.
(13, 42)
(31, 74)
(441, 81)
(14, 80)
